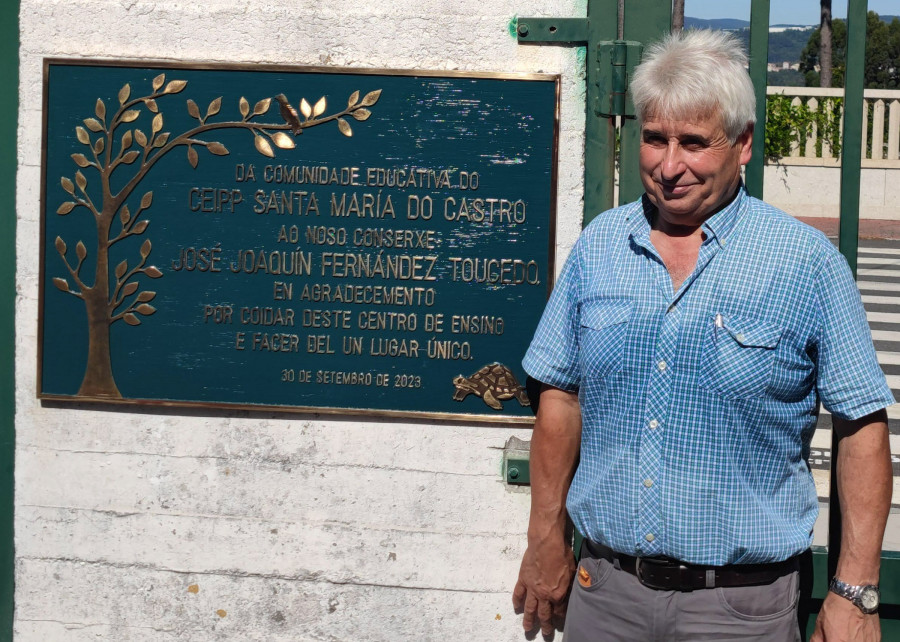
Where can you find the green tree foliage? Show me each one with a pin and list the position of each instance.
(882, 69)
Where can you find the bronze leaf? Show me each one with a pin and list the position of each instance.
(80, 250)
(263, 147)
(214, 107)
(158, 81)
(130, 319)
(319, 107)
(193, 158)
(344, 126)
(353, 98)
(283, 141)
(67, 185)
(361, 114)
(121, 268)
(82, 135)
(153, 272)
(217, 148)
(81, 160)
(244, 107)
(262, 106)
(371, 98)
(124, 93)
(93, 124)
(60, 246)
(175, 86)
(146, 200)
(131, 115)
(65, 208)
(61, 284)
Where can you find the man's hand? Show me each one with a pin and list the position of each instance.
(840, 621)
(543, 587)
(548, 564)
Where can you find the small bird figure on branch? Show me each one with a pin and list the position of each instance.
(289, 114)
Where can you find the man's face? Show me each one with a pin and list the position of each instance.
(689, 168)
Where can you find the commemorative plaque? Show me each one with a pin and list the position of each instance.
(375, 242)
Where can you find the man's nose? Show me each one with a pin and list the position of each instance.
(673, 161)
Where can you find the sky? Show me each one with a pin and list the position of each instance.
(802, 12)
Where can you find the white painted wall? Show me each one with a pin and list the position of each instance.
(815, 190)
(181, 525)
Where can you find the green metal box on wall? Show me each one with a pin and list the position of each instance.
(346, 241)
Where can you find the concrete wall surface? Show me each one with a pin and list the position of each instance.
(166, 525)
(815, 191)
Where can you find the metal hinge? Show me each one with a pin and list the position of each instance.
(616, 60)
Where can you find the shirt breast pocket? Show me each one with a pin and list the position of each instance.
(738, 356)
(602, 340)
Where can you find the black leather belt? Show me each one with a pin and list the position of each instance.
(666, 574)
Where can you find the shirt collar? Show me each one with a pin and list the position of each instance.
(718, 227)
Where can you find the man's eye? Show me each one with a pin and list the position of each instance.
(655, 141)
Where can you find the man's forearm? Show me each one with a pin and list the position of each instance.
(554, 455)
(864, 479)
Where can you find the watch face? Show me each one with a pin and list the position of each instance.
(869, 598)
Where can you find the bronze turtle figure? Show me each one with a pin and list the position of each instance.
(493, 383)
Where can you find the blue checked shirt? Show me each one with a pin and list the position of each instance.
(698, 406)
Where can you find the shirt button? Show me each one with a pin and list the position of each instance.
(648, 483)
(739, 337)
(653, 424)
(661, 365)
(649, 537)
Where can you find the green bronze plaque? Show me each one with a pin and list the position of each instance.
(350, 241)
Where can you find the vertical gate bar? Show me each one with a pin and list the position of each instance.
(599, 133)
(9, 107)
(645, 21)
(759, 55)
(848, 234)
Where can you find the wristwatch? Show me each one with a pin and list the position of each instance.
(866, 597)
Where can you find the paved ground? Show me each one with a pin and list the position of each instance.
(878, 277)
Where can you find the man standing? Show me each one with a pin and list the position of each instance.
(683, 355)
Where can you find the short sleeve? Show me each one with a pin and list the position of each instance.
(850, 381)
(552, 357)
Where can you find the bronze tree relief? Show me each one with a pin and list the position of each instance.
(114, 146)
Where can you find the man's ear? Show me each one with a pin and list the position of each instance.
(745, 141)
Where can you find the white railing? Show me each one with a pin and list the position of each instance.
(881, 140)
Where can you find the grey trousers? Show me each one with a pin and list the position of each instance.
(611, 605)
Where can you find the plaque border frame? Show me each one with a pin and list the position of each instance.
(375, 414)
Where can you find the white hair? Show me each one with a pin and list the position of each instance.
(696, 73)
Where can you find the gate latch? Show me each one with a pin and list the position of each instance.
(616, 60)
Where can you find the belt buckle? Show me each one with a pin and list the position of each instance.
(639, 564)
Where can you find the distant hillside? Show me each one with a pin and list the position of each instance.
(785, 45)
(715, 23)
